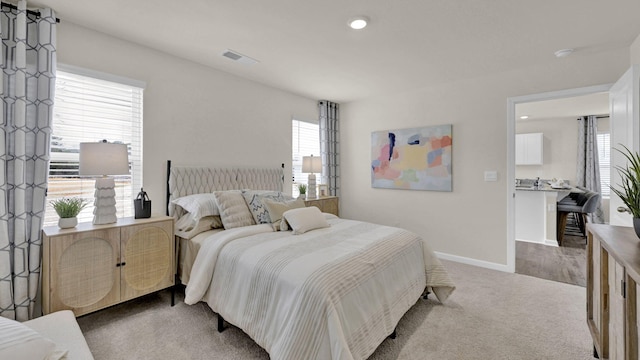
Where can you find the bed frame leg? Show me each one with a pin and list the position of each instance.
(220, 323)
(393, 334)
(426, 295)
(595, 352)
(173, 290)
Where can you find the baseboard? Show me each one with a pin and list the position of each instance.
(474, 262)
(546, 242)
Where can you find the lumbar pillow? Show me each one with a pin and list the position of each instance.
(18, 341)
(305, 219)
(277, 208)
(233, 209)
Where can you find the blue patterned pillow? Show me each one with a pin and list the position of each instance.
(254, 198)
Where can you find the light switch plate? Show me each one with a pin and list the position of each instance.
(491, 175)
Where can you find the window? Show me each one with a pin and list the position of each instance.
(306, 141)
(604, 159)
(89, 107)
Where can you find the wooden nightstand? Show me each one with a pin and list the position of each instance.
(328, 204)
(90, 267)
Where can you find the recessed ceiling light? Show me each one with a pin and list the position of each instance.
(563, 53)
(524, 117)
(358, 22)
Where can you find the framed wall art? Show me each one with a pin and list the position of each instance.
(412, 159)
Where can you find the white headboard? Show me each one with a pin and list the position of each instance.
(188, 180)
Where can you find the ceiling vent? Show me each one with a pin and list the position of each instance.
(236, 56)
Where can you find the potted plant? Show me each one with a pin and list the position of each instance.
(302, 188)
(68, 210)
(629, 191)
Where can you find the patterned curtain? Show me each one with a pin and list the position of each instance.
(28, 64)
(330, 146)
(588, 167)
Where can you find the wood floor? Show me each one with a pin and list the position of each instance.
(567, 263)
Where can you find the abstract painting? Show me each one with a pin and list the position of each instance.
(412, 159)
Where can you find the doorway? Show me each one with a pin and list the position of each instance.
(553, 124)
(513, 105)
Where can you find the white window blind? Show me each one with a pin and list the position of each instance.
(604, 158)
(306, 142)
(89, 109)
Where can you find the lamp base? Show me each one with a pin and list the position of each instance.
(105, 202)
(311, 187)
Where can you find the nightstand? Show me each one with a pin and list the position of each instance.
(328, 204)
(91, 267)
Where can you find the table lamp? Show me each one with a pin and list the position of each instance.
(104, 159)
(311, 165)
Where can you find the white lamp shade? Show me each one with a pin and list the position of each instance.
(103, 158)
(311, 164)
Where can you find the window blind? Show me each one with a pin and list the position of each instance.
(604, 158)
(90, 109)
(306, 142)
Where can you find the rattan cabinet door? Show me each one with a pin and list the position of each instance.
(84, 272)
(147, 254)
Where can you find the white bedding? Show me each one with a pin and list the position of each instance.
(188, 250)
(332, 293)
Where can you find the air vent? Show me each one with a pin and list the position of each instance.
(236, 56)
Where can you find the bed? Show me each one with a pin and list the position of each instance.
(304, 285)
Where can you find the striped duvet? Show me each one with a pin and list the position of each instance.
(333, 293)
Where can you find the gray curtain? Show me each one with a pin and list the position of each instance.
(28, 62)
(330, 145)
(588, 167)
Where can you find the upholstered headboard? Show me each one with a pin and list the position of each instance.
(188, 180)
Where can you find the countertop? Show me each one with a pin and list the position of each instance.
(543, 188)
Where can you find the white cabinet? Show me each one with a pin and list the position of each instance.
(529, 149)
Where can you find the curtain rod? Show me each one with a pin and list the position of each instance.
(32, 12)
(597, 117)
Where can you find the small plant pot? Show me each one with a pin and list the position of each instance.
(302, 196)
(67, 223)
(636, 226)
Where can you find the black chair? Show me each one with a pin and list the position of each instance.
(580, 204)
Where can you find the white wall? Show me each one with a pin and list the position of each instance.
(192, 114)
(635, 51)
(471, 221)
(560, 149)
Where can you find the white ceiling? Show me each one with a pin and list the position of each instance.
(305, 47)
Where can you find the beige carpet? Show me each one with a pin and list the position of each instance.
(491, 315)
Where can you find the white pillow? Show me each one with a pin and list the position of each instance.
(277, 208)
(19, 342)
(234, 211)
(198, 205)
(186, 228)
(305, 219)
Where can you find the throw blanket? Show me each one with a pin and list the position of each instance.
(333, 293)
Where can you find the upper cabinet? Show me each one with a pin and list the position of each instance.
(529, 149)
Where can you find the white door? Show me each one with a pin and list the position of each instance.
(624, 96)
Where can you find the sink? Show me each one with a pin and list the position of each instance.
(524, 187)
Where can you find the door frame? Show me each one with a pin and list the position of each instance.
(511, 150)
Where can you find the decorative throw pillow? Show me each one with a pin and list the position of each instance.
(277, 208)
(233, 209)
(305, 219)
(18, 341)
(255, 202)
